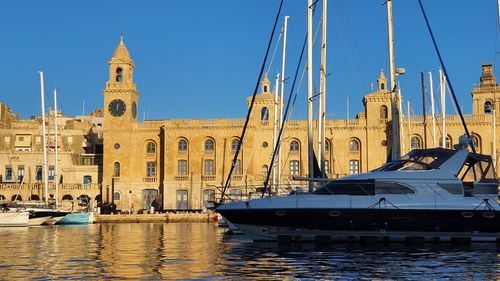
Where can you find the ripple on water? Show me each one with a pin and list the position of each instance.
(202, 251)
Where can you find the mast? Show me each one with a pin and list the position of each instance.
(275, 125)
(433, 116)
(424, 109)
(57, 148)
(44, 139)
(442, 90)
(282, 97)
(322, 96)
(494, 154)
(396, 151)
(310, 150)
(409, 126)
(400, 104)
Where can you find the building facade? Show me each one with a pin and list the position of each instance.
(181, 164)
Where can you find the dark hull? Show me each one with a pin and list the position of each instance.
(426, 222)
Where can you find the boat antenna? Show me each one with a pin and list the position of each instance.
(233, 163)
(446, 75)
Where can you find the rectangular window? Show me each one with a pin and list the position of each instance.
(150, 169)
(327, 166)
(182, 168)
(208, 169)
(294, 167)
(8, 173)
(52, 173)
(38, 173)
(20, 173)
(354, 167)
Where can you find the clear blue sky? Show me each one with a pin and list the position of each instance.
(200, 59)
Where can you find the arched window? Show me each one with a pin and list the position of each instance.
(235, 144)
(116, 169)
(151, 147)
(382, 86)
(67, 197)
(354, 145)
(119, 74)
(265, 89)
(294, 146)
(264, 114)
(476, 142)
(265, 169)
(449, 143)
(327, 145)
(209, 145)
(416, 142)
(2, 198)
(488, 107)
(383, 112)
(117, 196)
(182, 145)
(16, 197)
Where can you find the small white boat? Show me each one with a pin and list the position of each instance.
(14, 218)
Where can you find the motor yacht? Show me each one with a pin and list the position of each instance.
(437, 194)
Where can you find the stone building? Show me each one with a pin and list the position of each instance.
(180, 163)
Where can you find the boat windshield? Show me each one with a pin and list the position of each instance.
(419, 159)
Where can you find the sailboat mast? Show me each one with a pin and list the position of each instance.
(57, 148)
(322, 96)
(44, 139)
(275, 125)
(282, 97)
(431, 87)
(409, 126)
(310, 150)
(396, 151)
(442, 90)
(494, 154)
(424, 110)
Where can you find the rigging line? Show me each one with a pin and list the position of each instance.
(446, 74)
(274, 53)
(228, 180)
(285, 116)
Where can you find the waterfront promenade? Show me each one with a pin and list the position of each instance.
(160, 218)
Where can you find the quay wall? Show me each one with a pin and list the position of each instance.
(160, 218)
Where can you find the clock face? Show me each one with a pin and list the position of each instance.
(117, 107)
(134, 109)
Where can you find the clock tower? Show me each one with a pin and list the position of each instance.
(120, 115)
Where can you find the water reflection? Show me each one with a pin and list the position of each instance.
(202, 251)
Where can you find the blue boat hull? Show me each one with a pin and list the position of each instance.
(76, 218)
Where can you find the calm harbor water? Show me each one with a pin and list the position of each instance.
(202, 251)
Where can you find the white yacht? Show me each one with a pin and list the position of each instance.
(437, 194)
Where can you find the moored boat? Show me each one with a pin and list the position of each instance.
(429, 193)
(14, 218)
(75, 218)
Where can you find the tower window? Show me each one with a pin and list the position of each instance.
(265, 89)
(294, 146)
(382, 86)
(264, 114)
(383, 112)
(116, 169)
(488, 107)
(119, 74)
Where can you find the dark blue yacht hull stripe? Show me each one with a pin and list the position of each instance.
(482, 221)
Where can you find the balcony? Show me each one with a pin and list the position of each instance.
(62, 186)
(208, 178)
(149, 179)
(181, 178)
